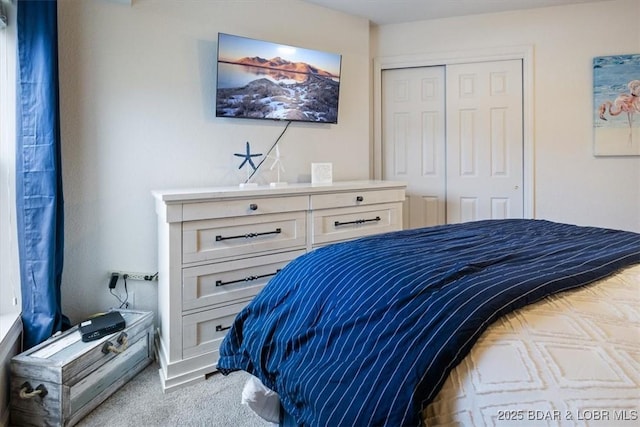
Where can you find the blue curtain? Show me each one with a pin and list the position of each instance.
(39, 201)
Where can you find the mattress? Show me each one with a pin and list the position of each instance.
(570, 359)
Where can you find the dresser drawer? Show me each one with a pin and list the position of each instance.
(203, 332)
(332, 225)
(356, 198)
(218, 284)
(243, 207)
(232, 237)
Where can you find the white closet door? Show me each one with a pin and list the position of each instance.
(484, 141)
(455, 135)
(413, 140)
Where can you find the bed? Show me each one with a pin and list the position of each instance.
(393, 329)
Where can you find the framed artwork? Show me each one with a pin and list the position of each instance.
(616, 100)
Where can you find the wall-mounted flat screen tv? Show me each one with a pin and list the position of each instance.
(263, 80)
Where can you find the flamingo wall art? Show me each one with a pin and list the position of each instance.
(616, 95)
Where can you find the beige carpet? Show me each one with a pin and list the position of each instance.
(141, 403)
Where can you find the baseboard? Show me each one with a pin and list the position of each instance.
(184, 372)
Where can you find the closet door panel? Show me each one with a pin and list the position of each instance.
(484, 159)
(414, 140)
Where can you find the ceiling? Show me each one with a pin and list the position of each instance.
(383, 12)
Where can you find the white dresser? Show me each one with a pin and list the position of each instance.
(218, 247)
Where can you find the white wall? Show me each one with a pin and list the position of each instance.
(571, 185)
(137, 108)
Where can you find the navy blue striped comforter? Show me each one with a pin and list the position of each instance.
(364, 333)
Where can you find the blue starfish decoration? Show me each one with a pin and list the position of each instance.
(247, 157)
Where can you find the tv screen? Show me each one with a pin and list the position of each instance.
(262, 80)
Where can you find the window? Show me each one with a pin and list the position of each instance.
(10, 304)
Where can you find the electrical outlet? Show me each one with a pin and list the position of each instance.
(131, 275)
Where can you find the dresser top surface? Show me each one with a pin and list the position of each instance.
(202, 193)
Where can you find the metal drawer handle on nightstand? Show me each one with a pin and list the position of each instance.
(357, 221)
(246, 279)
(359, 199)
(27, 392)
(108, 346)
(220, 328)
(248, 235)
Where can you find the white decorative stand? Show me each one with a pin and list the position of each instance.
(277, 162)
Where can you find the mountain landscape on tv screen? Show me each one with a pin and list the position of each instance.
(279, 90)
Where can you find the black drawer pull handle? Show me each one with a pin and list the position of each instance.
(253, 207)
(246, 279)
(27, 392)
(220, 328)
(359, 199)
(357, 221)
(248, 235)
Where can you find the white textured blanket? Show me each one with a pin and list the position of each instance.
(572, 359)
